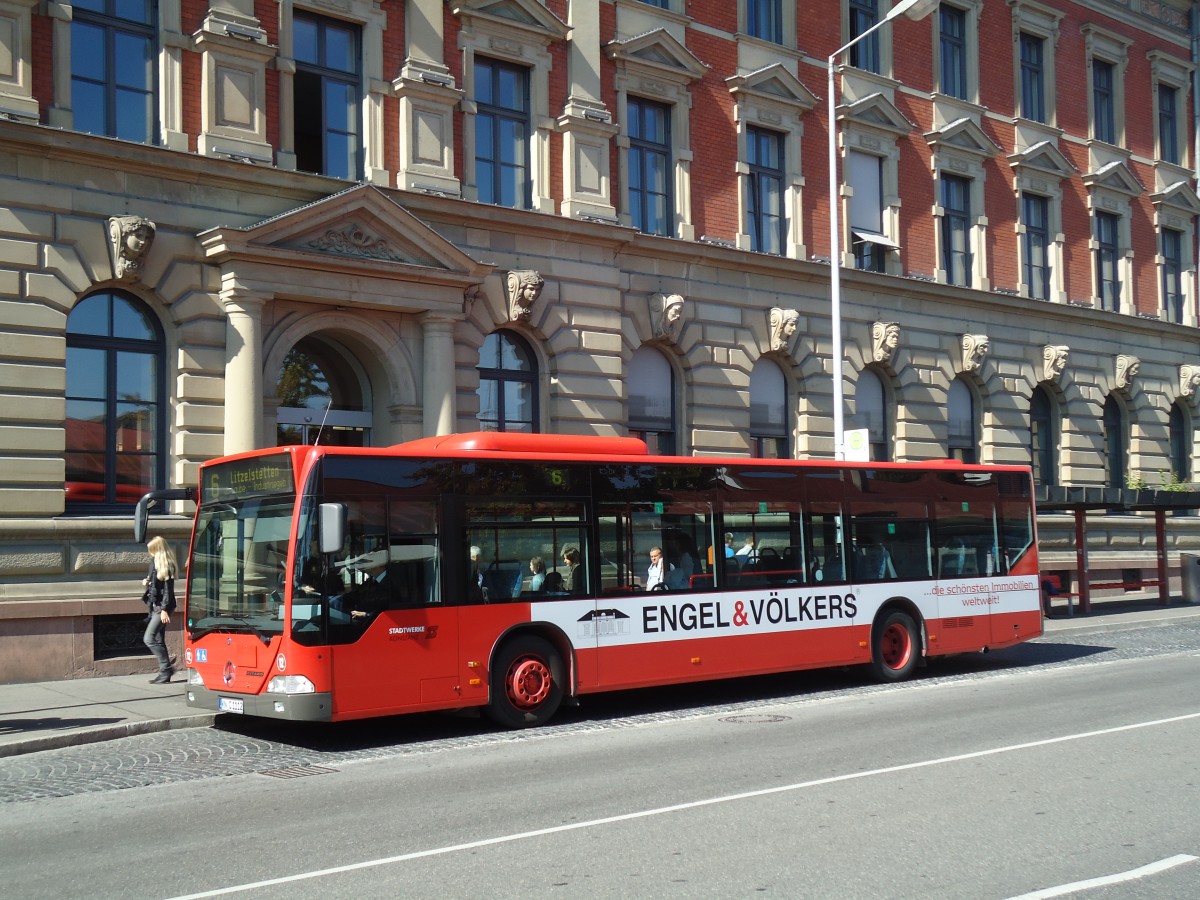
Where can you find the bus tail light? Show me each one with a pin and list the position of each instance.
(290, 684)
(194, 677)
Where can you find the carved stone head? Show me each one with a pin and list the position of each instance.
(129, 239)
(1189, 380)
(524, 287)
(783, 326)
(1127, 369)
(1054, 361)
(974, 348)
(885, 338)
(666, 311)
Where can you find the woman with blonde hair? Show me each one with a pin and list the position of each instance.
(160, 602)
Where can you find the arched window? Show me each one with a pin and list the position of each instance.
(652, 400)
(1181, 444)
(1043, 437)
(1116, 443)
(768, 411)
(872, 414)
(508, 396)
(964, 439)
(116, 385)
(321, 397)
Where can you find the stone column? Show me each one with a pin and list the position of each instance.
(243, 370)
(438, 388)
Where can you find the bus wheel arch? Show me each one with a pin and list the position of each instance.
(897, 641)
(527, 678)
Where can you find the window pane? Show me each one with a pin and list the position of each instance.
(304, 36)
(85, 425)
(136, 427)
(87, 53)
(128, 321)
(132, 10)
(340, 51)
(133, 59)
(90, 316)
(136, 376)
(768, 399)
(85, 373)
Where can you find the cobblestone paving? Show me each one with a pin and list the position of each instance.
(249, 747)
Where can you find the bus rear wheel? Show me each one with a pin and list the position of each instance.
(894, 647)
(526, 683)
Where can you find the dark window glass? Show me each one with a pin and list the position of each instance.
(864, 15)
(766, 222)
(1104, 123)
(115, 424)
(113, 52)
(956, 229)
(864, 172)
(953, 22)
(764, 19)
(508, 396)
(871, 407)
(1108, 277)
(1172, 274)
(1043, 448)
(768, 411)
(651, 387)
(650, 202)
(328, 92)
(1181, 445)
(1115, 443)
(964, 441)
(502, 133)
(1168, 124)
(1033, 78)
(1036, 245)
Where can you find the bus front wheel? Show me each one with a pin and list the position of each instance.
(526, 683)
(894, 647)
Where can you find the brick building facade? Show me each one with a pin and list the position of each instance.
(228, 224)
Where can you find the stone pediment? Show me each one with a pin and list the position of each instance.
(1115, 176)
(878, 112)
(1045, 158)
(1179, 196)
(359, 233)
(527, 15)
(773, 84)
(659, 52)
(965, 136)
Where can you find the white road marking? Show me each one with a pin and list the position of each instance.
(680, 807)
(1104, 881)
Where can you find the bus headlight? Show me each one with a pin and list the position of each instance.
(290, 684)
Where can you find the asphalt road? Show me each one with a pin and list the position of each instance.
(1052, 764)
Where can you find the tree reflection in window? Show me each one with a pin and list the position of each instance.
(114, 402)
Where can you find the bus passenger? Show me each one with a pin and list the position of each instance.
(537, 566)
(572, 576)
(656, 574)
(475, 591)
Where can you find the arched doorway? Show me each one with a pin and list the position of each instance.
(322, 398)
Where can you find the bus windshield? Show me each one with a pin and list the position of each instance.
(238, 564)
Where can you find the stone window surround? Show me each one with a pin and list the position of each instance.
(872, 144)
(1109, 47)
(1041, 186)
(1102, 200)
(16, 84)
(1177, 74)
(1181, 220)
(883, 36)
(508, 41)
(787, 25)
(1029, 17)
(671, 89)
(772, 113)
(950, 160)
(971, 9)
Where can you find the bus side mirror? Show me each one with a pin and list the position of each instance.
(332, 525)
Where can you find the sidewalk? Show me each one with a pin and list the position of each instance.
(52, 714)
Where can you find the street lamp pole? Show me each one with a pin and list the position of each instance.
(914, 9)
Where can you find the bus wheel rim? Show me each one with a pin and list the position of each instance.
(529, 683)
(896, 646)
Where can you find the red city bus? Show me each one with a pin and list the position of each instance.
(508, 572)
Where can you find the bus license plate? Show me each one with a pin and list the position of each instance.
(231, 704)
